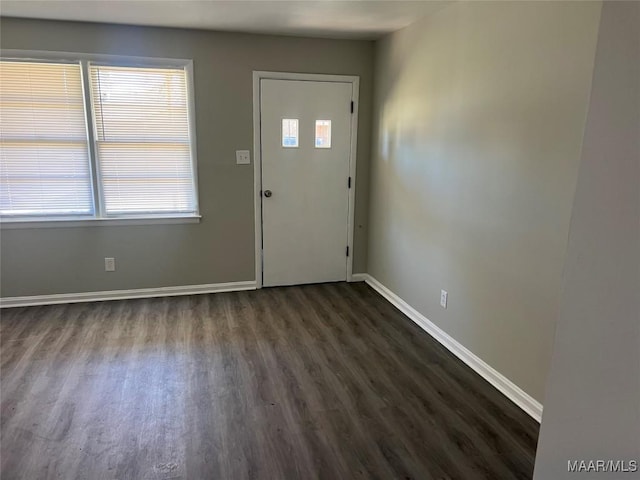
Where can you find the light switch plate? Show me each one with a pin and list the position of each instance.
(243, 157)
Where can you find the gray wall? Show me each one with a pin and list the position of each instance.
(592, 406)
(479, 112)
(221, 247)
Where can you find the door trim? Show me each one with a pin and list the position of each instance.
(257, 157)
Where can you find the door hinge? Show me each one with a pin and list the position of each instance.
(349, 183)
(351, 106)
(347, 250)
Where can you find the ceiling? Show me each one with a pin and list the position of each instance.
(363, 19)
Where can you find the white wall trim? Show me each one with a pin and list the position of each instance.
(351, 216)
(257, 178)
(359, 277)
(257, 157)
(11, 224)
(28, 301)
(514, 393)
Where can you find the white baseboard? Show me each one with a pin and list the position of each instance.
(359, 277)
(28, 301)
(518, 396)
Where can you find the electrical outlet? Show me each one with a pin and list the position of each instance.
(444, 296)
(109, 264)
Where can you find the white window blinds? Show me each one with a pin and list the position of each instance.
(44, 167)
(142, 139)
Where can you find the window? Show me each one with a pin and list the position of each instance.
(44, 153)
(142, 139)
(118, 145)
(290, 132)
(323, 133)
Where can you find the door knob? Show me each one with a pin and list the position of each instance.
(267, 193)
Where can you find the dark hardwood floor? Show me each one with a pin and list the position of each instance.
(323, 381)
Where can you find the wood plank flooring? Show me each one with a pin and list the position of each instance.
(323, 381)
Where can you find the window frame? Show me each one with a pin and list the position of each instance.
(99, 216)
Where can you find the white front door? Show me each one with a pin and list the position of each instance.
(306, 144)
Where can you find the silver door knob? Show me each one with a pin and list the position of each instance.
(267, 193)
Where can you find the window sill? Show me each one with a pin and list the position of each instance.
(10, 224)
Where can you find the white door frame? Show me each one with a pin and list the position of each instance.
(257, 157)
